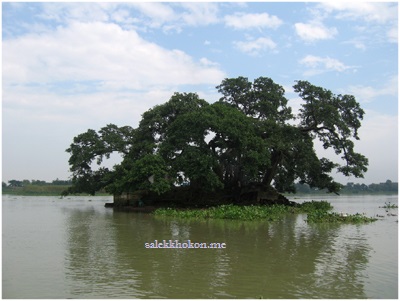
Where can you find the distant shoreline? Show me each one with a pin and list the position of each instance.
(342, 193)
(42, 190)
(57, 190)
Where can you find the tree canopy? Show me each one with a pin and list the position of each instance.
(250, 136)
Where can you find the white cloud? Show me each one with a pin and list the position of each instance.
(139, 15)
(84, 75)
(45, 123)
(155, 10)
(314, 31)
(123, 16)
(206, 62)
(369, 93)
(158, 13)
(380, 12)
(66, 12)
(379, 143)
(249, 21)
(254, 47)
(392, 34)
(100, 52)
(203, 13)
(357, 43)
(319, 65)
(381, 16)
(33, 105)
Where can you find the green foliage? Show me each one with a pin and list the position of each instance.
(247, 137)
(15, 183)
(262, 99)
(334, 119)
(147, 173)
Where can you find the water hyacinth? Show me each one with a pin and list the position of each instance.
(233, 212)
(314, 205)
(317, 212)
(321, 216)
(388, 205)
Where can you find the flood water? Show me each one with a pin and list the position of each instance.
(76, 248)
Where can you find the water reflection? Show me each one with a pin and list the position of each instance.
(344, 260)
(332, 264)
(288, 259)
(92, 265)
(79, 249)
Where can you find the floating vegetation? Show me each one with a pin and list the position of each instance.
(321, 216)
(233, 212)
(312, 206)
(317, 212)
(388, 205)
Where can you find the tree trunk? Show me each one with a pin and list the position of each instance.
(271, 172)
(259, 194)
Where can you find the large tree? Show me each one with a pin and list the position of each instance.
(250, 136)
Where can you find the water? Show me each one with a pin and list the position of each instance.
(76, 248)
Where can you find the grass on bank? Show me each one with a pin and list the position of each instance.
(317, 212)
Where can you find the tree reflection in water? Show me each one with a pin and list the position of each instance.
(288, 259)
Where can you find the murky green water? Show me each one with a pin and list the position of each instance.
(77, 248)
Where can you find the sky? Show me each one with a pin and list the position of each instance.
(68, 67)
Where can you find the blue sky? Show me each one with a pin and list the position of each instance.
(68, 67)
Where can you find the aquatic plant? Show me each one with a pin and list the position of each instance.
(321, 216)
(314, 205)
(233, 212)
(388, 205)
(317, 212)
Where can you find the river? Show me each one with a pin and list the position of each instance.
(76, 248)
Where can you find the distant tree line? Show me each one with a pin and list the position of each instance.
(17, 183)
(352, 188)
